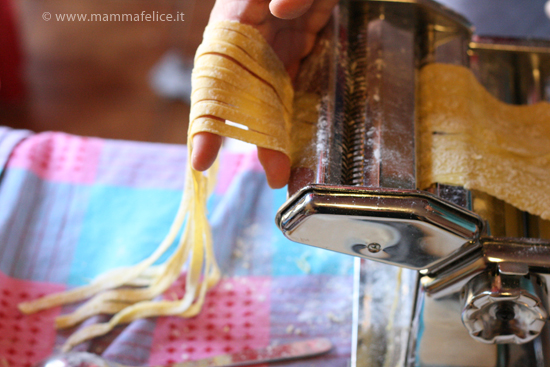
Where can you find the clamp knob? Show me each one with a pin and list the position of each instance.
(502, 308)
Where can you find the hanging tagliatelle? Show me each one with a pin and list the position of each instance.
(237, 77)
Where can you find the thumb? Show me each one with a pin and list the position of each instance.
(289, 9)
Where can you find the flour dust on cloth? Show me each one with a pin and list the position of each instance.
(237, 78)
(471, 139)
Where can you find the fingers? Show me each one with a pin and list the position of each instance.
(207, 145)
(276, 166)
(245, 11)
(289, 9)
(205, 150)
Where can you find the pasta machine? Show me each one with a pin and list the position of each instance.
(468, 285)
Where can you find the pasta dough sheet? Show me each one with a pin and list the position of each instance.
(471, 139)
(247, 85)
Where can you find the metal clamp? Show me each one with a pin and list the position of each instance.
(406, 228)
(505, 298)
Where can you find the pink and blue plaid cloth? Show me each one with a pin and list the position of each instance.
(73, 207)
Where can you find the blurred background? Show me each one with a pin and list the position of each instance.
(111, 79)
(130, 79)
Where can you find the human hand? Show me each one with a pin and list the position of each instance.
(290, 27)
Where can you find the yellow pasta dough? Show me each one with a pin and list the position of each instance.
(231, 58)
(469, 138)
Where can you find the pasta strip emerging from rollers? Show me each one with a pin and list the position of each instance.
(237, 77)
(469, 138)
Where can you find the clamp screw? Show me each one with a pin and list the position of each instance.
(374, 247)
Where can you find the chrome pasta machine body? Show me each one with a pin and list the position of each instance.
(473, 289)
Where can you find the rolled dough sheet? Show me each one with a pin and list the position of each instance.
(233, 58)
(469, 138)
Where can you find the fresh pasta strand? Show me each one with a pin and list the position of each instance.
(199, 266)
(112, 279)
(231, 52)
(249, 60)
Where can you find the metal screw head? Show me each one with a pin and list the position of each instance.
(505, 312)
(374, 247)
